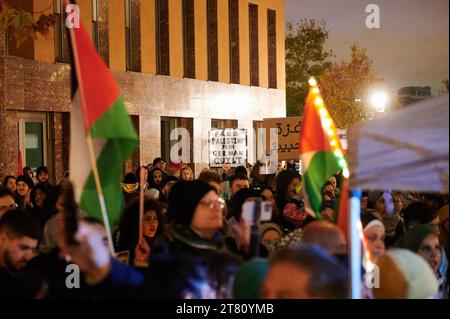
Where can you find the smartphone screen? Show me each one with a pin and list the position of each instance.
(248, 211)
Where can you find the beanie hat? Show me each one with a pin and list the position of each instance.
(130, 178)
(41, 169)
(249, 279)
(26, 180)
(183, 200)
(241, 170)
(404, 275)
(130, 183)
(414, 237)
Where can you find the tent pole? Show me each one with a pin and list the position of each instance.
(355, 244)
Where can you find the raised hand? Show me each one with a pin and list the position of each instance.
(142, 253)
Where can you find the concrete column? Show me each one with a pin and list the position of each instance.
(201, 159)
(248, 125)
(150, 137)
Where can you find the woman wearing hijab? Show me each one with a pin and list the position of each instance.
(382, 204)
(423, 240)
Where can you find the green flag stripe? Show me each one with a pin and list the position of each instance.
(322, 166)
(115, 123)
(116, 127)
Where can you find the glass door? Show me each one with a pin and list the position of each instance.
(33, 139)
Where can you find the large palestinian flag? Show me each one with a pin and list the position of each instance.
(320, 149)
(98, 113)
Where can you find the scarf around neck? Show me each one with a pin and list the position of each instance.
(191, 237)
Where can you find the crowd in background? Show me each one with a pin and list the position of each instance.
(198, 240)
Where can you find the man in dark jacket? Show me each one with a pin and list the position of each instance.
(43, 176)
(19, 236)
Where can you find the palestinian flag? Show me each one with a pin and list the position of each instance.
(320, 149)
(98, 114)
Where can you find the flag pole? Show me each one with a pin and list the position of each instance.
(355, 244)
(101, 198)
(90, 146)
(141, 202)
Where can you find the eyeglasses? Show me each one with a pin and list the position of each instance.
(211, 203)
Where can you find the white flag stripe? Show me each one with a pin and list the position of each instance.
(80, 165)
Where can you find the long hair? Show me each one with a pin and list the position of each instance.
(283, 181)
(128, 227)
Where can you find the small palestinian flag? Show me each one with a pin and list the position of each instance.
(320, 149)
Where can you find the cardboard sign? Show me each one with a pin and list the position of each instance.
(227, 146)
(288, 131)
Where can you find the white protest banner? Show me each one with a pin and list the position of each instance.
(227, 146)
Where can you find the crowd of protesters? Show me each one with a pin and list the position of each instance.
(197, 239)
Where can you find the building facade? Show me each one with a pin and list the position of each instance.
(194, 64)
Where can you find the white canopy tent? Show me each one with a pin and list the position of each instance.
(406, 149)
(401, 150)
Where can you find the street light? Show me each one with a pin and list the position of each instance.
(379, 100)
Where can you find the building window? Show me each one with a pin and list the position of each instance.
(189, 38)
(162, 37)
(62, 53)
(132, 35)
(95, 34)
(33, 139)
(168, 124)
(234, 41)
(213, 51)
(254, 51)
(272, 47)
(223, 124)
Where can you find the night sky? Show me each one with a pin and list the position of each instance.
(410, 49)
